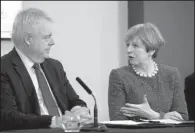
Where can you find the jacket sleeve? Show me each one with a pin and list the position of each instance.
(179, 103)
(11, 118)
(116, 96)
(72, 96)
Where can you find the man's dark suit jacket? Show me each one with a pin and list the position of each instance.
(19, 103)
(189, 95)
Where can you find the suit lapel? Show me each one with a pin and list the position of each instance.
(25, 78)
(28, 84)
(51, 78)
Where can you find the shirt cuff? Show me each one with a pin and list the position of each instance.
(162, 114)
(53, 122)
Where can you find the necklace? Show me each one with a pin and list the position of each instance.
(142, 74)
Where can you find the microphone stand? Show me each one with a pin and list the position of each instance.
(95, 126)
(95, 112)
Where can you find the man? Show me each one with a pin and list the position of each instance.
(35, 92)
(189, 95)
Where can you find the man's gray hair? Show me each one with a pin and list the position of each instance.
(24, 20)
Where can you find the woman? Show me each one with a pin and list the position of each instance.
(145, 89)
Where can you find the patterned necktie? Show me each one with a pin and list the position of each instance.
(47, 96)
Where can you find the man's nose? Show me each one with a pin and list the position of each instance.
(51, 42)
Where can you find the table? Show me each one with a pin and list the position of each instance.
(169, 129)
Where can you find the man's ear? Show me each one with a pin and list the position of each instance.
(28, 39)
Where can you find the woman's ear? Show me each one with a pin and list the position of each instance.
(28, 39)
(151, 52)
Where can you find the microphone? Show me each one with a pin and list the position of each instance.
(83, 85)
(96, 126)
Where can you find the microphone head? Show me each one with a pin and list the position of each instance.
(83, 85)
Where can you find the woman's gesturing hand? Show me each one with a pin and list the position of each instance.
(142, 110)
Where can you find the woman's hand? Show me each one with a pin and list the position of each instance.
(174, 115)
(142, 110)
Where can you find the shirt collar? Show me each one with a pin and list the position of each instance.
(27, 62)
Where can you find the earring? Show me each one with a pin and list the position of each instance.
(152, 53)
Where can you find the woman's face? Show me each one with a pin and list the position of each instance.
(137, 53)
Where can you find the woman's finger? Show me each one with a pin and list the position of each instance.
(129, 109)
(124, 111)
(132, 105)
(178, 117)
(129, 114)
(173, 117)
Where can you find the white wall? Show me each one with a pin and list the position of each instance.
(6, 46)
(89, 43)
(175, 20)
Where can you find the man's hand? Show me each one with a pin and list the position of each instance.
(84, 114)
(142, 110)
(174, 115)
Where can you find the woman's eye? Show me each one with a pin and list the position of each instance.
(135, 45)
